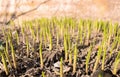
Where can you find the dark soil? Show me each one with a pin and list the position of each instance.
(30, 66)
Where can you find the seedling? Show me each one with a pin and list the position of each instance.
(23, 34)
(50, 38)
(66, 48)
(3, 59)
(81, 33)
(13, 55)
(89, 23)
(114, 44)
(75, 59)
(40, 53)
(117, 61)
(43, 74)
(6, 54)
(97, 58)
(104, 55)
(27, 45)
(61, 67)
(88, 58)
(70, 58)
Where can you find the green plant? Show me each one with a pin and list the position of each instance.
(6, 54)
(89, 23)
(50, 38)
(113, 46)
(117, 61)
(37, 33)
(40, 53)
(13, 55)
(104, 55)
(61, 67)
(32, 32)
(97, 58)
(75, 59)
(65, 47)
(70, 58)
(80, 30)
(88, 58)
(57, 37)
(23, 34)
(3, 59)
(111, 27)
(3, 31)
(43, 74)
(27, 45)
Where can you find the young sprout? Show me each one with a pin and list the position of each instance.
(117, 61)
(57, 37)
(37, 33)
(118, 39)
(32, 32)
(70, 58)
(3, 59)
(69, 42)
(115, 28)
(40, 54)
(50, 38)
(6, 54)
(61, 67)
(104, 55)
(110, 33)
(114, 44)
(3, 31)
(75, 59)
(23, 34)
(27, 44)
(9, 36)
(100, 74)
(95, 24)
(88, 58)
(13, 55)
(89, 29)
(81, 34)
(66, 48)
(43, 74)
(99, 26)
(97, 58)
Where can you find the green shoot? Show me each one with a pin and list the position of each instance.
(97, 59)
(75, 59)
(66, 48)
(61, 67)
(40, 53)
(88, 58)
(43, 74)
(27, 44)
(50, 47)
(117, 61)
(23, 34)
(6, 54)
(104, 56)
(13, 55)
(3, 60)
(70, 58)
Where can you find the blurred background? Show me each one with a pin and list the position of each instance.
(31, 9)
